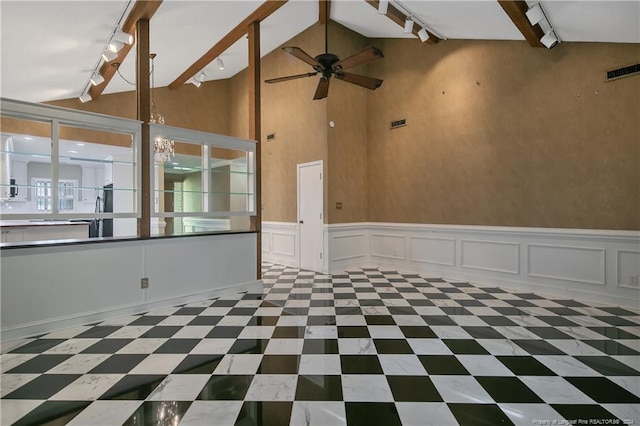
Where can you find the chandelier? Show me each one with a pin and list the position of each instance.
(163, 148)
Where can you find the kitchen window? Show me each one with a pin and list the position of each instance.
(44, 194)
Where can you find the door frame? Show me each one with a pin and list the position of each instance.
(298, 230)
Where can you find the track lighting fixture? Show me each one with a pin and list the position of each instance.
(536, 15)
(408, 25)
(123, 37)
(108, 56)
(195, 82)
(97, 79)
(115, 46)
(423, 34)
(549, 39)
(85, 97)
(220, 64)
(198, 79)
(383, 5)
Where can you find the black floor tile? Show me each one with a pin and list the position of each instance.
(152, 413)
(482, 296)
(520, 303)
(564, 311)
(263, 321)
(321, 320)
(413, 389)
(242, 311)
(371, 302)
(570, 303)
(249, 346)
(344, 296)
(392, 346)
(438, 320)
(118, 363)
(279, 364)
(549, 333)
(479, 332)
(348, 310)
(320, 346)
(134, 387)
(497, 320)
(360, 364)
(528, 296)
(538, 347)
(420, 302)
(231, 387)
(465, 346)
(455, 310)
(603, 390)
(224, 304)
(493, 290)
(107, 346)
(319, 388)
(353, 331)
(442, 364)
(161, 331)
(508, 389)
(402, 310)
(272, 413)
(557, 321)
(144, 320)
(614, 333)
(379, 320)
(322, 303)
(288, 332)
(614, 310)
(224, 332)
(617, 321)
(417, 332)
(607, 366)
(611, 347)
(479, 415)
(584, 414)
(205, 320)
(177, 346)
(38, 346)
(372, 413)
(189, 311)
(506, 310)
(40, 363)
(525, 366)
(42, 387)
(198, 364)
(434, 296)
(53, 413)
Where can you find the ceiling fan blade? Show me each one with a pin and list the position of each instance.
(304, 56)
(365, 55)
(291, 77)
(322, 90)
(360, 80)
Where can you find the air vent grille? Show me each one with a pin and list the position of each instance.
(622, 72)
(398, 123)
(271, 136)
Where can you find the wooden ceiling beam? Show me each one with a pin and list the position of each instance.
(142, 9)
(397, 16)
(325, 11)
(517, 11)
(261, 13)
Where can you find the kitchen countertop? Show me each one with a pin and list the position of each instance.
(26, 223)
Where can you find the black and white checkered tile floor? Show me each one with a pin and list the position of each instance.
(367, 347)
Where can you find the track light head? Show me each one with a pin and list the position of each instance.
(535, 14)
(108, 56)
(123, 37)
(408, 25)
(423, 34)
(220, 64)
(85, 97)
(550, 40)
(383, 5)
(115, 46)
(195, 82)
(96, 79)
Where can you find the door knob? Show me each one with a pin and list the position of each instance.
(302, 221)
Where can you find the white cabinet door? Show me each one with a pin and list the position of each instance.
(13, 235)
(89, 194)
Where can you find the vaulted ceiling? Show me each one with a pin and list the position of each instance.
(49, 48)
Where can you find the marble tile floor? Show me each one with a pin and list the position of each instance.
(364, 347)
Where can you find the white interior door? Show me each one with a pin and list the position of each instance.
(310, 203)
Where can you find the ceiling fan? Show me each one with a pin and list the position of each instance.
(328, 64)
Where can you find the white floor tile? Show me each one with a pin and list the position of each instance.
(142, 346)
(179, 387)
(130, 332)
(206, 413)
(366, 388)
(531, 414)
(102, 413)
(158, 364)
(320, 365)
(79, 364)
(284, 346)
(213, 346)
(501, 347)
(401, 365)
(385, 332)
(9, 361)
(272, 387)
(11, 410)
(450, 332)
(628, 413)
(484, 365)
(11, 382)
(429, 347)
(461, 389)
(556, 390)
(425, 414)
(632, 384)
(574, 347)
(362, 346)
(239, 364)
(566, 366)
(321, 332)
(87, 387)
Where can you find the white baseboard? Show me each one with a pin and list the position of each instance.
(48, 326)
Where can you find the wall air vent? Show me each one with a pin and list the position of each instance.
(622, 72)
(398, 123)
(271, 136)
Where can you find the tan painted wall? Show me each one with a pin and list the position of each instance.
(298, 122)
(503, 134)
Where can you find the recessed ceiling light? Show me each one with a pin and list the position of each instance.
(80, 144)
(72, 152)
(28, 138)
(175, 164)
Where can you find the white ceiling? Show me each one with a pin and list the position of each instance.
(49, 48)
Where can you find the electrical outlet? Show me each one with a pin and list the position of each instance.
(144, 283)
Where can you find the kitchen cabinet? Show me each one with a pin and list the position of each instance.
(92, 181)
(12, 235)
(27, 231)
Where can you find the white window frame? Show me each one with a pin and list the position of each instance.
(61, 197)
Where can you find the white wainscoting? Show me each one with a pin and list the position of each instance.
(601, 266)
(48, 288)
(280, 243)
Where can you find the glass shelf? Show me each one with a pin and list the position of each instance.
(202, 192)
(98, 188)
(67, 157)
